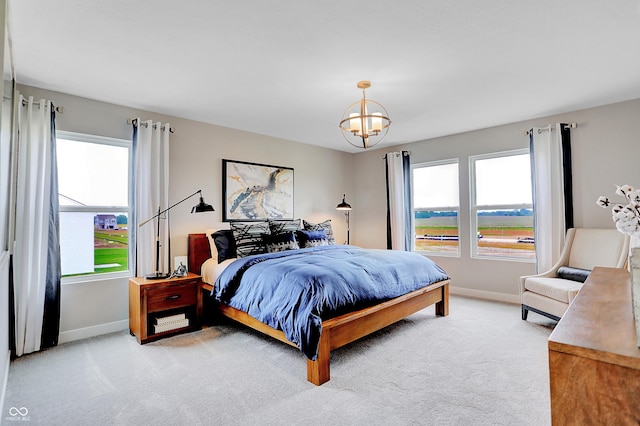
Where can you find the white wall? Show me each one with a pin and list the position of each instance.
(196, 150)
(605, 149)
(605, 152)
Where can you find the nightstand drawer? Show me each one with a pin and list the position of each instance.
(175, 296)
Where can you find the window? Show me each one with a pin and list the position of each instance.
(501, 205)
(93, 191)
(435, 207)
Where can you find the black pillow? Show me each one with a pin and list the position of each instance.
(573, 274)
(280, 242)
(225, 244)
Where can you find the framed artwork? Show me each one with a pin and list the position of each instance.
(252, 191)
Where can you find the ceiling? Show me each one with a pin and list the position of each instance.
(289, 68)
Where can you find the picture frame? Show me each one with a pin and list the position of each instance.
(256, 192)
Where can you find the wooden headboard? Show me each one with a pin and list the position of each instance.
(198, 252)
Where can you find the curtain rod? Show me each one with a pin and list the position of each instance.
(404, 153)
(549, 128)
(59, 109)
(134, 122)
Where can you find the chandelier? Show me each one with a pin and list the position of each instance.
(361, 128)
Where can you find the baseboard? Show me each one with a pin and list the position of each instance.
(96, 330)
(112, 327)
(481, 294)
(5, 380)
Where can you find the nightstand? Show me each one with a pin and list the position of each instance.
(165, 307)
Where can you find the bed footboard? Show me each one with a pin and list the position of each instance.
(344, 329)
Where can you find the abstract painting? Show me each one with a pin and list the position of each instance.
(254, 191)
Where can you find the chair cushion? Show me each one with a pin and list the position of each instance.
(554, 288)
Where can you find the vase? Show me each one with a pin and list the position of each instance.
(634, 268)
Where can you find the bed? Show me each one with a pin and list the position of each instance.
(338, 329)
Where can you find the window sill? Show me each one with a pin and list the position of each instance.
(436, 253)
(81, 279)
(504, 259)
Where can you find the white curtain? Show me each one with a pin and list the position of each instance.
(151, 192)
(551, 179)
(34, 171)
(399, 217)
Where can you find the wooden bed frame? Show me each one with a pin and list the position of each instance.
(338, 331)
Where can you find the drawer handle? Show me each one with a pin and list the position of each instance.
(173, 297)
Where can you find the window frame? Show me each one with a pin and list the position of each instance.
(103, 140)
(474, 208)
(434, 163)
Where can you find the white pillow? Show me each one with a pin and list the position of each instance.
(212, 244)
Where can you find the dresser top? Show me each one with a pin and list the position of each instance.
(599, 323)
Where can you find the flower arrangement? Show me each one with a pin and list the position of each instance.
(626, 218)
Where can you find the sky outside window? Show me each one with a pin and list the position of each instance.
(103, 170)
(503, 180)
(436, 186)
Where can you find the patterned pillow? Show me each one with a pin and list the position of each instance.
(279, 226)
(225, 244)
(325, 226)
(248, 237)
(312, 238)
(280, 242)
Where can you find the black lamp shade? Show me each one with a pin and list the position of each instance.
(343, 205)
(202, 207)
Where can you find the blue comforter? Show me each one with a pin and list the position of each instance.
(295, 290)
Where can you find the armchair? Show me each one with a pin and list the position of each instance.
(550, 293)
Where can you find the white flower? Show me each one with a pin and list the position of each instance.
(603, 201)
(624, 190)
(634, 197)
(628, 227)
(616, 209)
(626, 217)
(626, 214)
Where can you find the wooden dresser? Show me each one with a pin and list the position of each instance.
(594, 363)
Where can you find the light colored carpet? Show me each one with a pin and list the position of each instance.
(481, 365)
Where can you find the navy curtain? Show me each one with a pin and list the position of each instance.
(403, 178)
(51, 316)
(565, 134)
